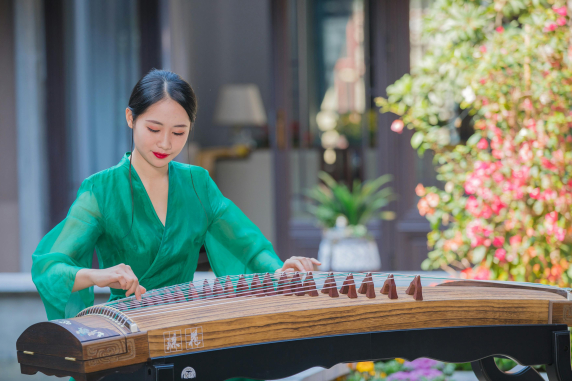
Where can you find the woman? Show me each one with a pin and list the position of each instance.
(148, 216)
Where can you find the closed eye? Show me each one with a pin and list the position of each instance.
(152, 130)
(178, 133)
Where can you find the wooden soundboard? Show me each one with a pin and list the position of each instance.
(93, 344)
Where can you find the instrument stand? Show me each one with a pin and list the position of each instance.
(527, 344)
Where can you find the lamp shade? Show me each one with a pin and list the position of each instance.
(240, 105)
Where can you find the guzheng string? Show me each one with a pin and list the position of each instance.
(218, 300)
(208, 301)
(221, 295)
(171, 307)
(158, 294)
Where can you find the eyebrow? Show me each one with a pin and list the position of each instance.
(154, 121)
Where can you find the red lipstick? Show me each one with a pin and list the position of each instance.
(160, 155)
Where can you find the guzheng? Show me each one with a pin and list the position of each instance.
(267, 326)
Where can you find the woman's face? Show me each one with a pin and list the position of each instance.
(160, 133)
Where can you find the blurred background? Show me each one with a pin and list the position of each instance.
(285, 90)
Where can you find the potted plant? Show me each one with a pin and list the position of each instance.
(343, 215)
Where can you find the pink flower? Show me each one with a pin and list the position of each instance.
(500, 254)
(497, 205)
(420, 190)
(483, 144)
(550, 27)
(486, 212)
(487, 231)
(483, 274)
(483, 49)
(549, 195)
(473, 206)
(500, 29)
(525, 153)
(548, 164)
(498, 177)
(560, 234)
(432, 199)
(535, 193)
(515, 240)
(558, 155)
(561, 11)
(472, 184)
(498, 241)
(527, 104)
(561, 21)
(551, 217)
(397, 126)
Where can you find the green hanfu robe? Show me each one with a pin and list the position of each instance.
(159, 255)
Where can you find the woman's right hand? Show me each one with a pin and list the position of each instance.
(120, 277)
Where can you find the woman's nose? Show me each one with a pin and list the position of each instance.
(165, 141)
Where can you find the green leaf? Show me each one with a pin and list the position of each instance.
(417, 139)
(479, 254)
(538, 207)
(474, 139)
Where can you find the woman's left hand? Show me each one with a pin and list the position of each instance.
(302, 264)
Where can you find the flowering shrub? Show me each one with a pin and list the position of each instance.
(421, 369)
(492, 100)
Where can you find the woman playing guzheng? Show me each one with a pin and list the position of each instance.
(148, 216)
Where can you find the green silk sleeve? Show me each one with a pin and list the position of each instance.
(66, 249)
(234, 244)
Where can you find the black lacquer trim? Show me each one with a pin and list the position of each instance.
(527, 344)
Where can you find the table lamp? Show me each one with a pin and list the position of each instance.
(240, 105)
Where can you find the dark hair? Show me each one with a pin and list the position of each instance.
(152, 88)
(158, 85)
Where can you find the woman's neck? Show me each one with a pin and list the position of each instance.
(146, 170)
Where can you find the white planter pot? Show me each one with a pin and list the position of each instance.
(340, 252)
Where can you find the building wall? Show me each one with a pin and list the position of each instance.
(248, 183)
(9, 237)
(225, 42)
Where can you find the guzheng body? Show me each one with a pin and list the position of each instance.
(263, 327)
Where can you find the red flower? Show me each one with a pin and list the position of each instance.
(483, 144)
(500, 29)
(467, 273)
(483, 274)
(500, 254)
(498, 241)
(397, 126)
(486, 212)
(551, 217)
(550, 27)
(498, 205)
